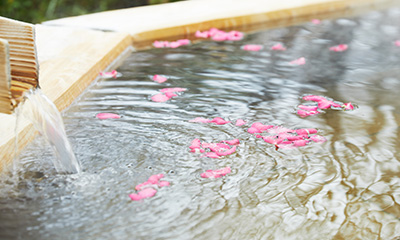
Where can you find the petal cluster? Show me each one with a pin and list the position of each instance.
(173, 44)
(214, 150)
(321, 103)
(220, 35)
(148, 189)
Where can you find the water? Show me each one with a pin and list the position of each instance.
(345, 188)
(46, 119)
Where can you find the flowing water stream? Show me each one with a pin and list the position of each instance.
(345, 188)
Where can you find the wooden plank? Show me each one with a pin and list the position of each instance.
(70, 59)
(5, 78)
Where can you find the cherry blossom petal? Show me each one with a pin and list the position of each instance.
(226, 152)
(252, 47)
(339, 48)
(299, 61)
(235, 36)
(204, 34)
(183, 41)
(253, 130)
(308, 108)
(170, 95)
(196, 144)
(112, 74)
(174, 44)
(306, 131)
(278, 47)
(163, 183)
(318, 138)
(216, 173)
(159, 79)
(240, 122)
(300, 143)
(232, 142)
(212, 155)
(314, 98)
(107, 116)
(160, 97)
(348, 106)
(176, 89)
(219, 121)
(145, 193)
(316, 21)
(200, 119)
(324, 104)
(397, 43)
(304, 113)
(220, 36)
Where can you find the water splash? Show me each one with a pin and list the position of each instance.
(46, 118)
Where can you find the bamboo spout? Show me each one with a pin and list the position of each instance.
(19, 69)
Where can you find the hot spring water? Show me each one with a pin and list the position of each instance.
(46, 119)
(345, 188)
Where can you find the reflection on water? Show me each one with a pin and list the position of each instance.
(345, 188)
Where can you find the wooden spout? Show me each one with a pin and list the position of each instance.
(18, 64)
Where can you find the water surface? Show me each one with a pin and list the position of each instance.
(345, 188)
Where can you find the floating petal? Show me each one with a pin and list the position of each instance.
(299, 61)
(159, 79)
(160, 97)
(107, 115)
(278, 47)
(252, 47)
(216, 173)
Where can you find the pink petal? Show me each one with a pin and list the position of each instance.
(200, 119)
(204, 34)
(174, 44)
(306, 131)
(348, 106)
(314, 98)
(183, 42)
(107, 115)
(279, 130)
(233, 142)
(170, 95)
(240, 122)
(216, 173)
(304, 113)
(220, 36)
(155, 178)
(160, 97)
(145, 193)
(159, 79)
(253, 130)
(196, 144)
(112, 74)
(278, 47)
(308, 108)
(272, 140)
(318, 138)
(163, 184)
(316, 21)
(397, 43)
(261, 126)
(339, 48)
(219, 121)
(214, 31)
(226, 152)
(335, 105)
(176, 89)
(235, 36)
(161, 44)
(300, 143)
(294, 138)
(252, 47)
(325, 104)
(212, 155)
(299, 61)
